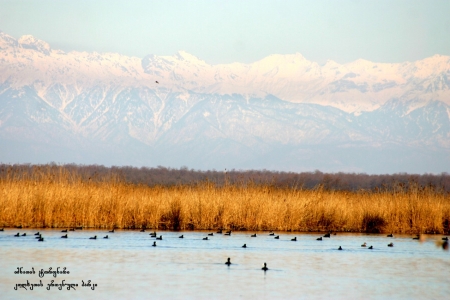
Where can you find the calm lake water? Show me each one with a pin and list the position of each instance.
(126, 266)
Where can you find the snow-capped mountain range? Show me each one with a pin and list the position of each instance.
(282, 112)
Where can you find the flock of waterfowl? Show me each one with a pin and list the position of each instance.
(40, 238)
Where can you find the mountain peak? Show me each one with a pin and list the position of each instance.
(30, 42)
(185, 56)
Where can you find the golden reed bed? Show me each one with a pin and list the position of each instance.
(64, 200)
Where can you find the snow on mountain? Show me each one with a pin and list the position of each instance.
(354, 87)
(282, 112)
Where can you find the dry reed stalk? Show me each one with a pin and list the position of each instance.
(64, 200)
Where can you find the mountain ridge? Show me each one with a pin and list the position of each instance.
(106, 108)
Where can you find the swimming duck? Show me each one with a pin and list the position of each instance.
(445, 238)
(41, 239)
(244, 246)
(112, 231)
(17, 234)
(65, 230)
(319, 239)
(93, 238)
(2, 229)
(277, 237)
(391, 245)
(271, 233)
(265, 268)
(219, 231)
(64, 236)
(417, 237)
(72, 229)
(211, 234)
(390, 235)
(205, 238)
(37, 233)
(24, 234)
(159, 238)
(106, 237)
(154, 244)
(364, 245)
(340, 248)
(371, 247)
(294, 239)
(38, 237)
(228, 262)
(152, 234)
(228, 233)
(253, 235)
(327, 235)
(181, 237)
(142, 230)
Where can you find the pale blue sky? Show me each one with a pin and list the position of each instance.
(242, 31)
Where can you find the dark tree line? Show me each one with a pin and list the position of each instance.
(184, 176)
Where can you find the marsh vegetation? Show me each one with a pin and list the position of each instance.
(60, 197)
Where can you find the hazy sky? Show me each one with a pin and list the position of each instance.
(242, 31)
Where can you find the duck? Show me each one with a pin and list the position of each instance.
(39, 236)
(244, 246)
(72, 229)
(340, 248)
(181, 237)
(18, 234)
(64, 236)
(112, 231)
(41, 239)
(159, 238)
(205, 238)
(294, 239)
(271, 234)
(228, 262)
(277, 237)
(153, 234)
(364, 245)
(391, 245)
(219, 231)
(154, 244)
(142, 230)
(2, 229)
(211, 234)
(265, 268)
(24, 234)
(319, 239)
(371, 247)
(106, 237)
(65, 230)
(445, 238)
(390, 235)
(417, 237)
(327, 235)
(37, 233)
(253, 235)
(228, 233)
(93, 238)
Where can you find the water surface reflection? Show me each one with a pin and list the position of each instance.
(126, 266)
